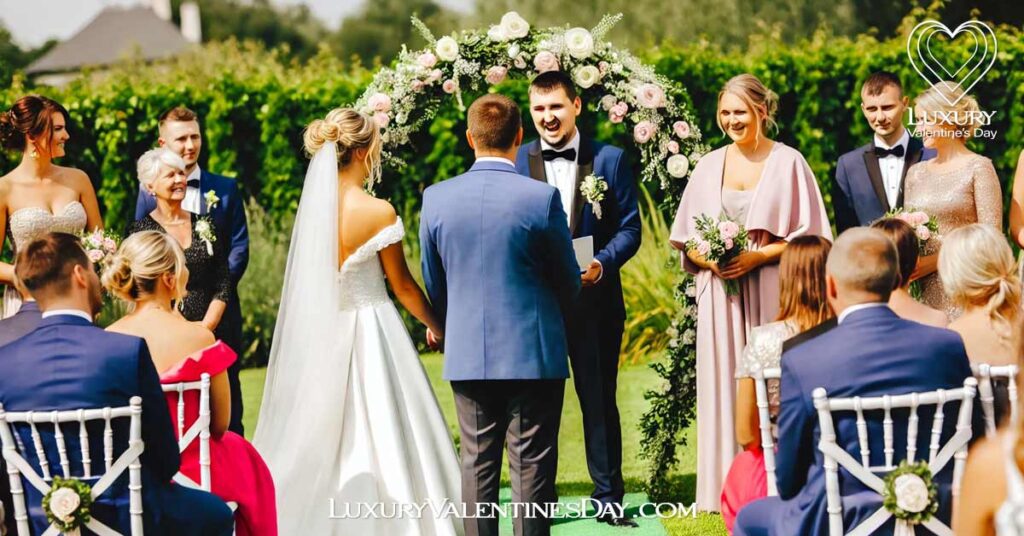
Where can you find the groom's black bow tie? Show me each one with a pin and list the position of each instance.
(551, 154)
(193, 183)
(896, 151)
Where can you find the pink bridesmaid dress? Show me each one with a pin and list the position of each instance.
(238, 473)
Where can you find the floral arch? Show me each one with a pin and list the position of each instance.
(405, 98)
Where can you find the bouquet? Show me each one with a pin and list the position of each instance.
(925, 227)
(99, 245)
(719, 241)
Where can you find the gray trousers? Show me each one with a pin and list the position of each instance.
(525, 415)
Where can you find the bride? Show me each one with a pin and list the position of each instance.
(349, 419)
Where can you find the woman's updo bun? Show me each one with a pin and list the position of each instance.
(349, 130)
(31, 115)
(143, 258)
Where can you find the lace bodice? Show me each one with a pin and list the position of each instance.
(30, 223)
(764, 348)
(361, 278)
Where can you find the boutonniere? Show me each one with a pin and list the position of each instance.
(593, 188)
(205, 230)
(211, 200)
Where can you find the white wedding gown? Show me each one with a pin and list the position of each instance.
(348, 412)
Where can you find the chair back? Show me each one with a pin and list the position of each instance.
(199, 429)
(18, 467)
(765, 425)
(986, 393)
(938, 454)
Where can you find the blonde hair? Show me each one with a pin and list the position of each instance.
(761, 101)
(977, 269)
(350, 130)
(139, 263)
(148, 166)
(965, 117)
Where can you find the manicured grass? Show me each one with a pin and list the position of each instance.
(573, 479)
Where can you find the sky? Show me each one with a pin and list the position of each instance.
(31, 26)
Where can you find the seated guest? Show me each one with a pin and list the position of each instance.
(24, 321)
(68, 363)
(872, 352)
(979, 275)
(149, 272)
(802, 305)
(900, 301)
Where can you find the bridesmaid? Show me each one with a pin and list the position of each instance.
(959, 187)
(1017, 204)
(769, 188)
(44, 196)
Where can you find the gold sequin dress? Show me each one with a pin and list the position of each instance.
(969, 194)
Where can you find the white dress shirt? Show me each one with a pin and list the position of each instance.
(496, 159)
(193, 197)
(70, 312)
(891, 167)
(859, 307)
(561, 174)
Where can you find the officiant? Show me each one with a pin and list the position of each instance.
(600, 196)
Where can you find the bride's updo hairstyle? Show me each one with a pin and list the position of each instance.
(143, 258)
(31, 115)
(762, 101)
(349, 130)
(977, 269)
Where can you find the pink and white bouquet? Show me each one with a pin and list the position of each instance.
(719, 241)
(925, 226)
(99, 245)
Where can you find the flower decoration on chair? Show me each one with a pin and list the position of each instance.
(67, 505)
(404, 98)
(910, 493)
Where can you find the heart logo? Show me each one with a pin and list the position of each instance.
(966, 75)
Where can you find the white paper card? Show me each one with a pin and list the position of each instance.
(584, 249)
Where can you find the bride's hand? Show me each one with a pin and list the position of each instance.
(434, 340)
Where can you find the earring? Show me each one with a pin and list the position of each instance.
(33, 153)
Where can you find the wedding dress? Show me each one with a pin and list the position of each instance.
(349, 419)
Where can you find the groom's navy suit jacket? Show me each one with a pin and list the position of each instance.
(858, 193)
(499, 267)
(872, 352)
(67, 363)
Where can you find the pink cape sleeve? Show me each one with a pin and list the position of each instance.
(212, 360)
(788, 202)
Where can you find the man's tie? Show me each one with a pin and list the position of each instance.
(896, 151)
(551, 154)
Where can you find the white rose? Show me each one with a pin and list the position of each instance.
(689, 336)
(514, 26)
(911, 493)
(447, 49)
(678, 165)
(513, 50)
(672, 332)
(586, 76)
(64, 502)
(579, 43)
(691, 290)
(497, 33)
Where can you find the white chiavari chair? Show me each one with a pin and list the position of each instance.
(765, 425)
(986, 393)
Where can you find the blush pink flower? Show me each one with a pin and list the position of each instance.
(728, 243)
(449, 86)
(95, 255)
(920, 218)
(379, 102)
(728, 229)
(650, 96)
(923, 232)
(496, 75)
(681, 129)
(417, 85)
(382, 119)
(703, 247)
(644, 131)
(673, 147)
(434, 76)
(545, 61)
(427, 60)
(618, 112)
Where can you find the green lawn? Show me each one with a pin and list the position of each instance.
(573, 479)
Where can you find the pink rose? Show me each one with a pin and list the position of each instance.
(449, 86)
(382, 119)
(417, 85)
(545, 61)
(673, 147)
(603, 67)
(923, 232)
(728, 229)
(434, 76)
(95, 255)
(643, 131)
(618, 112)
(650, 96)
(427, 60)
(109, 244)
(682, 129)
(496, 75)
(920, 218)
(379, 102)
(703, 247)
(728, 244)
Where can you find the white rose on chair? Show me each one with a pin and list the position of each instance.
(63, 503)
(911, 493)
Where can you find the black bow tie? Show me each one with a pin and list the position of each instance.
(551, 154)
(896, 151)
(192, 183)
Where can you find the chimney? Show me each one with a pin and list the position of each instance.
(191, 28)
(162, 8)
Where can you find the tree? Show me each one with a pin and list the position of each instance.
(259, 20)
(381, 28)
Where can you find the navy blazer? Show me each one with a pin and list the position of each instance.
(22, 323)
(617, 233)
(68, 363)
(499, 267)
(872, 353)
(858, 193)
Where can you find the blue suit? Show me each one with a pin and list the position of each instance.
(67, 363)
(232, 229)
(858, 193)
(23, 322)
(872, 352)
(596, 324)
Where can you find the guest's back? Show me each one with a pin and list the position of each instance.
(19, 325)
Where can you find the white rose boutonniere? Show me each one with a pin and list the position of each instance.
(593, 188)
(211, 200)
(205, 231)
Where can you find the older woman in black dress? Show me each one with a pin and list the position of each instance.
(162, 175)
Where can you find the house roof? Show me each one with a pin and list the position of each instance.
(115, 32)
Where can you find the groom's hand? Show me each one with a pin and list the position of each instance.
(433, 341)
(593, 274)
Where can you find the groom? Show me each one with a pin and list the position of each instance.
(499, 267)
(563, 158)
(869, 179)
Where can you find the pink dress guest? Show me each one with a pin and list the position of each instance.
(786, 203)
(237, 471)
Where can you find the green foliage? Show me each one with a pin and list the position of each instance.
(381, 28)
(291, 26)
(260, 290)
